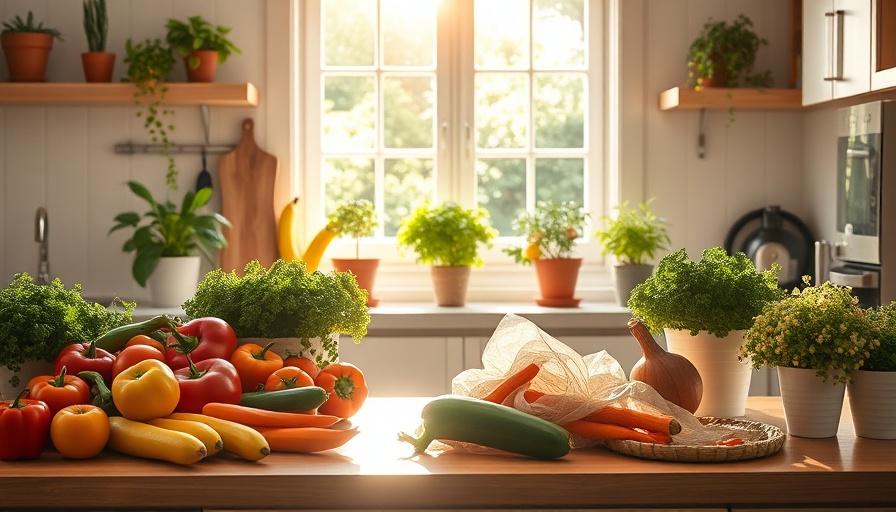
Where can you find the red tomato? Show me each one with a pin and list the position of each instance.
(288, 377)
(59, 391)
(305, 363)
(129, 356)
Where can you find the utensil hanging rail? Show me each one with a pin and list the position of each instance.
(129, 148)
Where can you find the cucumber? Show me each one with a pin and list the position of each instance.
(471, 420)
(115, 339)
(303, 399)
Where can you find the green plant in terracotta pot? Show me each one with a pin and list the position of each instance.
(27, 48)
(448, 238)
(97, 62)
(633, 237)
(550, 233)
(357, 219)
(724, 53)
(202, 46)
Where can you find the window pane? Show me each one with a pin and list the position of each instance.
(502, 110)
(409, 30)
(560, 179)
(408, 180)
(559, 35)
(559, 111)
(501, 189)
(348, 32)
(501, 31)
(409, 111)
(349, 113)
(346, 179)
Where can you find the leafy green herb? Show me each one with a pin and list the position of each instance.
(356, 219)
(285, 301)
(38, 321)
(820, 328)
(18, 25)
(552, 229)
(634, 235)
(719, 293)
(199, 34)
(883, 357)
(447, 234)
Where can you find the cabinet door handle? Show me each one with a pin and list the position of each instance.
(834, 54)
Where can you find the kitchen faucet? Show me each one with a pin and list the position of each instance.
(40, 236)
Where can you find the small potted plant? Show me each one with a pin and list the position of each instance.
(201, 45)
(872, 388)
(550, 233)
(703, 307)
(814, 337)
(723, 55)
(149, 65)
(357, 219)
(27, 48)
(97, 62)
(448, 238)
(299, 311)
(167, 246)
(632, 237)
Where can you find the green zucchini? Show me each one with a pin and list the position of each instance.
(116, 339)
(302, 399)
(471, 420)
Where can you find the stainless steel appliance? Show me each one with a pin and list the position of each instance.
(863, 255)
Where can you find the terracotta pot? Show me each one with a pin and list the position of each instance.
(450, 285)
(720, 73)
(207, 69)
(98, 66)
(557, 279)
(27, 55)
(365, 274)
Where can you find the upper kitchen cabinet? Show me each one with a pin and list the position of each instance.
(836, 49)
(883, 45)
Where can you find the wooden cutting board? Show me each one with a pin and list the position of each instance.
(248, 178)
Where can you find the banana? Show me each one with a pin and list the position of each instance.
(287, 244)
(240, 440)
(316, 248)
(209, 436)
(144, 440)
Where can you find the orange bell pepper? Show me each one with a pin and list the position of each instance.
(255, 364)
(347, 388)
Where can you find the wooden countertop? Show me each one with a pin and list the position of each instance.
(375, 471)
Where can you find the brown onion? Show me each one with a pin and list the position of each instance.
(671, 375)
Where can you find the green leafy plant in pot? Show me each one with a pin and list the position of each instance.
(357, 219)
(633, 237)
(171, 237)
(202, 46)
(27, 48)
(448, 238)
(97, 62)
(703, 307)
(872, 387)
(550, 233)
(723, 55)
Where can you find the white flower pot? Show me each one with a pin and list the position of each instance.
(293, 346)
(174, 281)
(29, 370)
(872, 400)
(811, 407)
(726, 381)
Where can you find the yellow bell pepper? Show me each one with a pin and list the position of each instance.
(145, 391)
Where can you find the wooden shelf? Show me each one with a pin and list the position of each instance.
(686, 98)
(213, 94)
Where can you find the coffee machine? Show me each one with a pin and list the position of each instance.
(863, 254)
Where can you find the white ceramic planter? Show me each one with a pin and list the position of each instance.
(285, 346)
(726, 381)
(29, 370)
(872, 401)
(811, 407)
(174, 281)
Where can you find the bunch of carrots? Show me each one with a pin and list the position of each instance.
(611, 422)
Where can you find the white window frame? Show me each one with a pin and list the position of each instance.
(402, 280)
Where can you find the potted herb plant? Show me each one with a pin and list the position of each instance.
(357, 219)
(448, 238)
(632, 237)
(551, 232)
(167, 246)
(703, 307)
(872, 388)
(287, 305)
(97, 62)
(724, 53)
(201, 45)
(27, 48)
(149, 65)
(814, 337)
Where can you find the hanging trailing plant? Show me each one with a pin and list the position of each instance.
(149, 64)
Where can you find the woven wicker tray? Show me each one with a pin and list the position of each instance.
(759, 440)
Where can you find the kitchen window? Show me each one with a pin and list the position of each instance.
(492, 103)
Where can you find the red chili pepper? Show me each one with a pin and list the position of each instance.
(86, 357)
(208, 338)
(59, 391)
(209, 380)
(345, 384)
(24, 428)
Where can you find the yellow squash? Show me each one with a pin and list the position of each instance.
(240, 440)
(209, 436)
(141, 439)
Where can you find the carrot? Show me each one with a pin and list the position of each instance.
(595, 430)
(516, 380)
(306, 439)
(264, 418)
(531, 395)
(636, 419)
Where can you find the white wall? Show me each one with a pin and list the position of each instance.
(62, 157)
